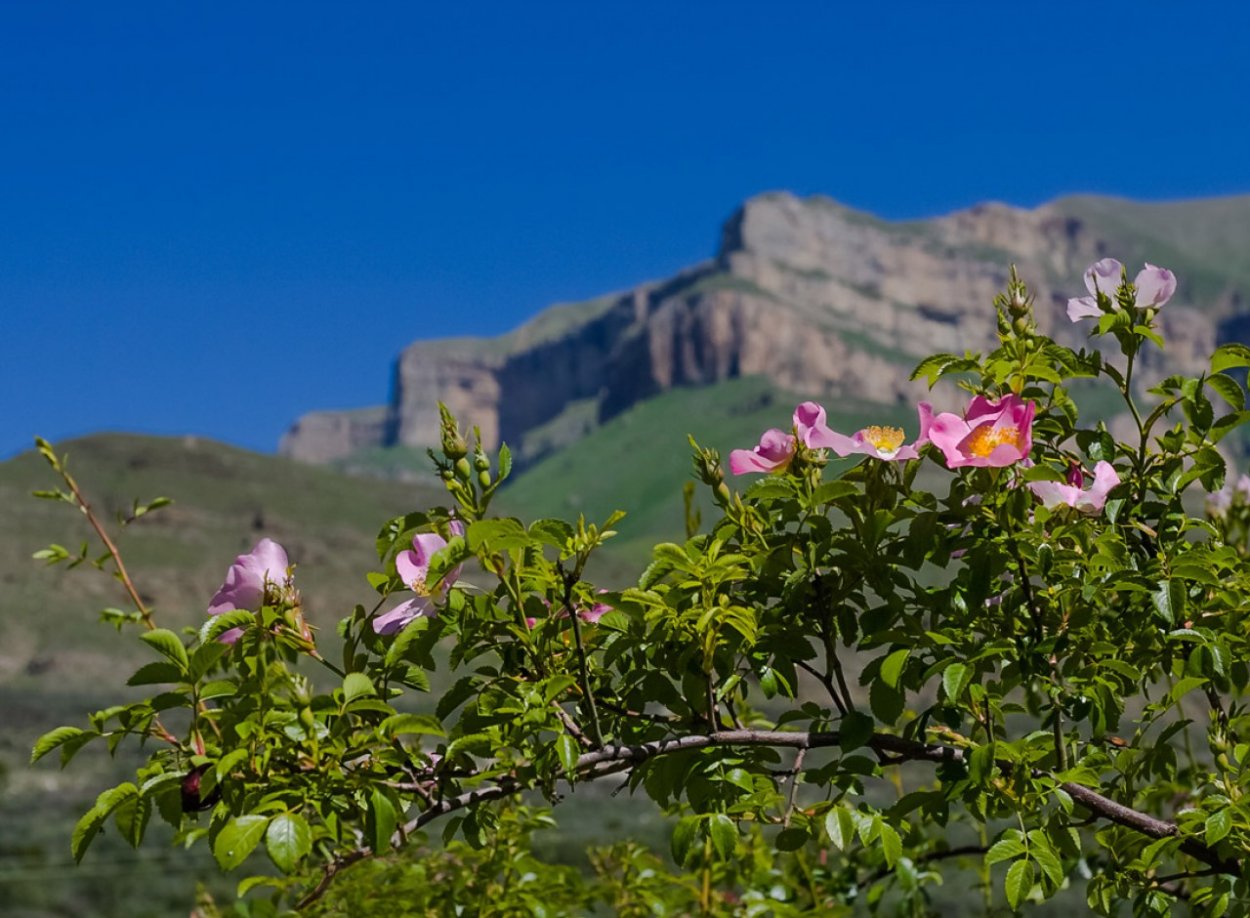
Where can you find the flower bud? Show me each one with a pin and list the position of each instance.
(483, 478)
(464, 471)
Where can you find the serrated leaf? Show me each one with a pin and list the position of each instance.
(167, 644)
(288, 839)
(840, 827)
(1004, 850)
(54, 738)
(891, 844)
(238, 838)
(1218, 825)
(85, 832)
(1019, 882)
(953, 680)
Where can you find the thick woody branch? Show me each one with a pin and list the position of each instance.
(612, 759)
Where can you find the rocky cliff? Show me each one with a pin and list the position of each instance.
(820, 299)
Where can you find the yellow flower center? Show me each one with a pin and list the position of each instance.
(986, 439)
(418, 585)
(885, 440)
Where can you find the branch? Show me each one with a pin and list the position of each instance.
(616, 758)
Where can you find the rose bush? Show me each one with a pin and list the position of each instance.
(861, 678)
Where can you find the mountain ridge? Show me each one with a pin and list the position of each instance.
(817, 297)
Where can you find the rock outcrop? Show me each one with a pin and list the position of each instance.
(820, 299)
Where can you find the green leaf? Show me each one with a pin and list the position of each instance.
(683, 838)
(567, 752)
(830, 491)
(840, 827)
(237, 839)
(217, 625)
(167, 644)
(1230, 356)
(380, 822)
(1219, 824)
(1228, 389)
(156, 674)
(854, 730)
(791, 839)
(54, 738)
(132, 818)
(357, 685)
(497, 535)
(401, 724)
(85, 831)
(1185, 686)
(891, 844)
(892, 667)
(1004, 850)
(1169, 601)
(724, 834)
(1019, 882)
(505, 462)
(228, 762)
(288, 839)
(886, 703)
(953, 680)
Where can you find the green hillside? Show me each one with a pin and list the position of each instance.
(57, 662)
(638, 461)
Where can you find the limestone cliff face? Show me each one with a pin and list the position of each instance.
(822, 300)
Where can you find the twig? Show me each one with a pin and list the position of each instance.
(615, 758)
(794, 787)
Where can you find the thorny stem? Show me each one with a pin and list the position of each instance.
(122, 574)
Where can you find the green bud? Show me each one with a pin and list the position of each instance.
(483, 478)
(464, 471)
(481, 462)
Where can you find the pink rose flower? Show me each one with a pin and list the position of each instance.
(774, 452)
(413, 567)
(990, 433)
(250, 580)
(1154, 286)
(879, 442)
(1055, 494)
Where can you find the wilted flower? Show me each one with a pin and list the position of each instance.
(774, 452)
(1154, 286)
(880, 442)
(253, 578)
(1054, 494)
(413, 567)
(990, 433)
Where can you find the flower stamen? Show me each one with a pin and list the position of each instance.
(885, 440)
(984, 440)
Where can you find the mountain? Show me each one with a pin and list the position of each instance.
(814, 297)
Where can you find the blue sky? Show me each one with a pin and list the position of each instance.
(215, 217)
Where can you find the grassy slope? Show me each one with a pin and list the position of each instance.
(57, 663)
(638, 461)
